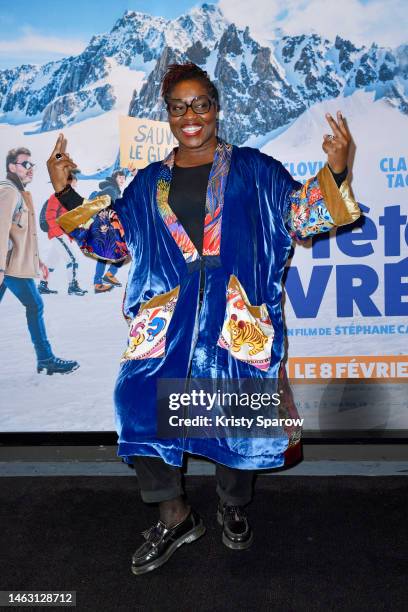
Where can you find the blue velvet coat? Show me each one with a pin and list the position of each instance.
(253, 211)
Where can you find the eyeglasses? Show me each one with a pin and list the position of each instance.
(200, 105)
(26, 164)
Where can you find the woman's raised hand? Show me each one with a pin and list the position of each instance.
(60, 164)
(337, 145)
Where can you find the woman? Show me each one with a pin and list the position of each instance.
(60, 244)
(209, 230)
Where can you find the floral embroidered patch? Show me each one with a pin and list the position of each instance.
(147, 331)
(308, 214)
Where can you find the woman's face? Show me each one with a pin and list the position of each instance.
(192, 130)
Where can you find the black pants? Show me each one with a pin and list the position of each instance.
(159, 481)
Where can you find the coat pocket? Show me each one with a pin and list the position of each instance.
(148, 330)
(247, 332)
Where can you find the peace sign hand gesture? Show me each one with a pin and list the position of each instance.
(337, 146)
(60, 164)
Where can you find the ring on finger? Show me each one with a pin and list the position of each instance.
(331, 137)
(58, 155)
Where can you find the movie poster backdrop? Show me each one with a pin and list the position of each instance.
(346, 294)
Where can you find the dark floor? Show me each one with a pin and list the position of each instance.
(321, 543)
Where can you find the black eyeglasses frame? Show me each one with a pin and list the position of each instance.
(210, 100)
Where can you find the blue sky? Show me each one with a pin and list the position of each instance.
(36, 31)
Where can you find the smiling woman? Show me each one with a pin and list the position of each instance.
(209, 232)
(192, 103)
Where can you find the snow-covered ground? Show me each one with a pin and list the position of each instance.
(91, 328)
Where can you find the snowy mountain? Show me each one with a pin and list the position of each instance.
(262, 88)
(265, 88)
(58, 92)
(255, 99)
(319, 69)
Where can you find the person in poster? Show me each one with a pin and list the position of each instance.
(105, 281)
(60, 244)
(19, 256)
(209, 231)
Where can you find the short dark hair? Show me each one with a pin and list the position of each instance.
(118, 173)
(175, 73)
(14, 153)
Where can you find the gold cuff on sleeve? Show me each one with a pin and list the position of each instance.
(80, 215)
(339, 201)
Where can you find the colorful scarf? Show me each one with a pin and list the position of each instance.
(213, 206)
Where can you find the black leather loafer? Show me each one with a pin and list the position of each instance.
(162, 541)
(237, 533)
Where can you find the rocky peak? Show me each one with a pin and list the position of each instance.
(149, 99)
(230, 42)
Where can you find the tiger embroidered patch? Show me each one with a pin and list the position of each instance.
(247, 332)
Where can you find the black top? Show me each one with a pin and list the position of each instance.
(187, 196)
